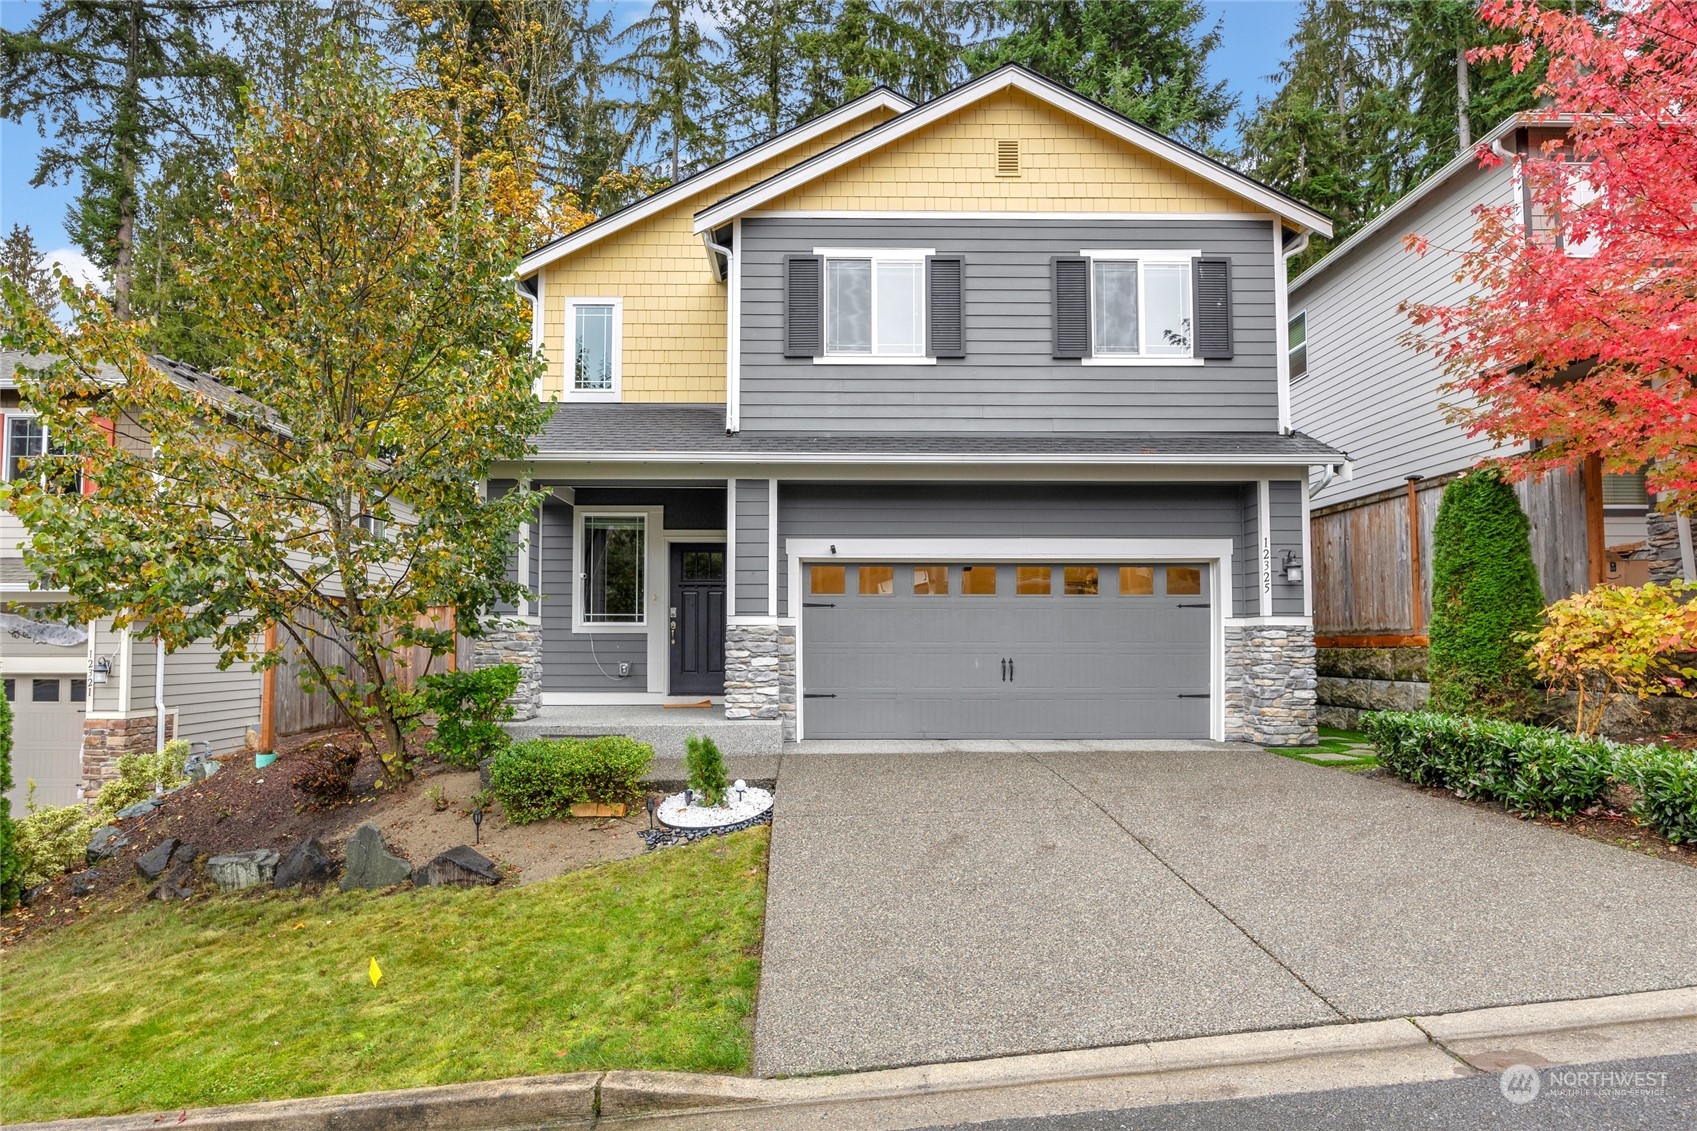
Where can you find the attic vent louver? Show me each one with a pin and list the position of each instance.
(1007, 158)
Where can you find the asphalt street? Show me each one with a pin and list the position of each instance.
(1658, 1094)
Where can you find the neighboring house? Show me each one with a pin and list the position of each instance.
(965, 420)
(84, 694)
(1356, 384)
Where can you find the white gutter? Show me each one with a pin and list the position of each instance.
(1175, 459)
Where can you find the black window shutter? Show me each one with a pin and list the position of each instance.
(1211, 280)
(1071, 298)
(804, 306)
(945, 331)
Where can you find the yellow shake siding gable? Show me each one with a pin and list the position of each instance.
(1066, 165)
(674, 309)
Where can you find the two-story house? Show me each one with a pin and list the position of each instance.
(1357, 383)
(962, 420)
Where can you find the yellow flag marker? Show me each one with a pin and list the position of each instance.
(376, 972)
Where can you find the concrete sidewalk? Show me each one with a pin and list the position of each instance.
(926, 908)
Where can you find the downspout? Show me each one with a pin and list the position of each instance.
(1297, 248)
(533, 297)
(732, 314)
(159, 692)
(1687, 558)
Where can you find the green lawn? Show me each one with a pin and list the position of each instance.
(1353, 744)
(646, 963)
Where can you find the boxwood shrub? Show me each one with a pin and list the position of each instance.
(545, 777)
(1535, 770)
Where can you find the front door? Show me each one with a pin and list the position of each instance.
(696, 618)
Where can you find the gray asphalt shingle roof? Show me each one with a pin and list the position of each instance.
(591, 430)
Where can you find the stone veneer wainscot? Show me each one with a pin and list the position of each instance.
(517, 641)
(760, 673)
(1270, 685)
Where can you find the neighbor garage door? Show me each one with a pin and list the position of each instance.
(47, 714)
(1065, 650)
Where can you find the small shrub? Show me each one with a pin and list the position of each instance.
(139, 775)
(706, 769)
(439, 799)
(470, 707)
(1666, 780)
(11, 860)
(1617, 641)
(545, 777)
(1485, 597)
(328, 778)
(52, 840)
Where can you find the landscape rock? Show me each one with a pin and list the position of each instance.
(237, 870)
(152, 863)
(178, 884)
(184, 854)
(306, 864)
(139, 809)
(28, 895)
(106, 841)
(83, 883)
(370, 864)
(461, 866)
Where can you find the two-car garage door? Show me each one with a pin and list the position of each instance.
(999, 650)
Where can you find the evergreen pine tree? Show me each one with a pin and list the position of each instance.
(672, 60)
(20, 262)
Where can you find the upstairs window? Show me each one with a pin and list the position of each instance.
(875, 304)
(28, 450)
(1140, 304)
(594, 361)
(1297, 345)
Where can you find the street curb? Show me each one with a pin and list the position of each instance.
(578, 1098)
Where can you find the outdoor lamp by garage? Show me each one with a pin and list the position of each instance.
(1293, 568)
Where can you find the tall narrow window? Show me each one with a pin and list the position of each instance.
(1115, 306)
(594, 343)
(614, 567)
(1141, 304)
(26, 440)
(875, 305)
(1298, 345)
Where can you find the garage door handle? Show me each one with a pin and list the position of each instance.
(817, 605)
(1202, 695)
(1204, 605)
(1010, 671)
(1004, 669)
(819, 695)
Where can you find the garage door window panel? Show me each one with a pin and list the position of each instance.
(44, 691)
(79, 691)
(1080, 581)
(1137, 581)
(930, 581)
(1032, 581)
(827, 580)
(877, 581)
(1184, 581)
(978, 580)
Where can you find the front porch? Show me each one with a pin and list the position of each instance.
(663, 728)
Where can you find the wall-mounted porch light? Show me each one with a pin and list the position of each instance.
(1293, 568)
(101, 670)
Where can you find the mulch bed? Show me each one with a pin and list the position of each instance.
(237, 809)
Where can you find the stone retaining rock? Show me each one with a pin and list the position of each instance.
(1372, 694)
(1403, 664)
(235, 871)
(177, 884)
(461, 866)
(83, 883)
(106, 842)
(152, 863)
(370, 864)
(307, 864)
(139, 809)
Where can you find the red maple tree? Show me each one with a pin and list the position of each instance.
(1582, 334)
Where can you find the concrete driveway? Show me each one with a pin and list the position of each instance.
(938, 907)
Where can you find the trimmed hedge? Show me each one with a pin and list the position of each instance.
(545, 777)
(1534, 770)
(1485, 595)
(11, 860)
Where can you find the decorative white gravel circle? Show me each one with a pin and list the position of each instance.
(674, 814)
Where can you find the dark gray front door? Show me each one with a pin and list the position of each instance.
(1067, 650)
(696, 620)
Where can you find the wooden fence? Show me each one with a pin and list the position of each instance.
(1372, 557)
(290, 709)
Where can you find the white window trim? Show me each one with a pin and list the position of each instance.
(6, 442)
(1290, 350)
(569, 362)
(650, 535)
(1142, 256)
(876, 255)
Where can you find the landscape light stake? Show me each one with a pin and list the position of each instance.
(477, 824)
(651, 804)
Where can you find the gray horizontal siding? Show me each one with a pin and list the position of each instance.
(1008, 381)
(1246, 597)
(1366, 391)
(753, 532)
(1284, 500)
(579, 662)
(1007, 510)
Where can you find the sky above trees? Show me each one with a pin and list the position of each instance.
(1252, 44)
